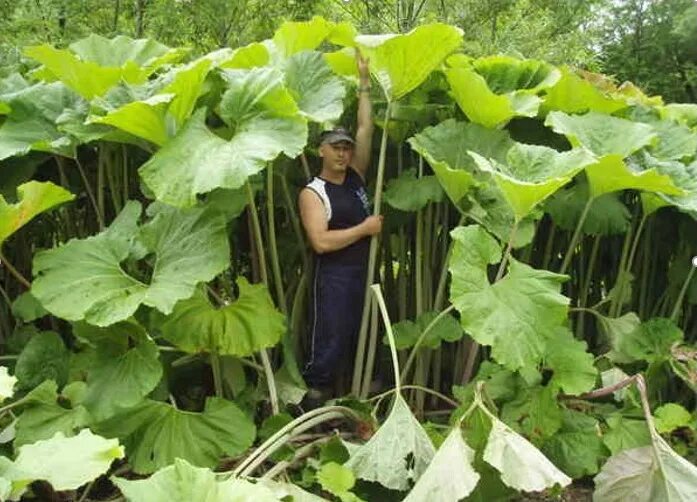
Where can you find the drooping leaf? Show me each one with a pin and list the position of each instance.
(510, 315)
(265, 121)
(7, 384)
(672, 416)
(572, 365)
(83, 279)
(577, 448)
(47, 413)
(155, 434)
(44, 357)
(401, 63)
(647, 474)
(446, 148)
(409, 193)
(249, 324)
(522, 466)
(144, 119)
(450, 476)
(182, 482)
(575, 94)
(397, 454)
(318, 92)
(66, 462)
(34, 198)
(532, 173)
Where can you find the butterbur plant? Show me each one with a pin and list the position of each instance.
(534, 284)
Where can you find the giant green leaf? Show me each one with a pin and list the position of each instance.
(182, 482)
(450, 476)
(446, 147)
(33, 123)
(122, 50)
(532, 173)
(83, 279)
(522, 466)
(602, 134)
(575, 94)
(296, 36)
(397, 454)
(47, 412)
(675, 141)
(145, 119)
(66, 462)
(513, 314)
(248, 56)
(265, 122)
(572, 365)
(409, 193)
(249, 324)
(125, 372)
(611, 174)
(44, 357)
(155, 434)
(318, 92)
(34, 198)
(401, 63)
(8, 87)
(683, 176)
(647, 474)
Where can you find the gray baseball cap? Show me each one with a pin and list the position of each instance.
(336, 135)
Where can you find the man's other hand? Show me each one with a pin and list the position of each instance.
(373, 224)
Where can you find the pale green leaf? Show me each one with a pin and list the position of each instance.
(249, 56)
(190, 246)
(337, 480)
(522, 466)
(683, 113)
(144, 119)
(342, 62)
(122, 50)
(186, 85)
(400, 63)
(249, 324)
(7, 384)
(67, 462)
(511, 315)
(318, 92)
(611, 174)
(575, 94)
(446, 147)
(155, 434)
(182, 482)
(647, 474)
(672, 416)
(625, 433)
(384, 457)
(470, 91)
(675, 141)
(450, 476)
(34, 198)
(572, 365)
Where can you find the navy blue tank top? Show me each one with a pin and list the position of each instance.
(346, 205)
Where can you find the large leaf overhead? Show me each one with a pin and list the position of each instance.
(37, 120)
(401, 63)
(34, 198)
(318, 92)
(575, 94)
(96, 64)
(265, 122)
(446, 147)
(512, 314)
(249, 324)
(84, 279)
(492, 90)
(156, 434)
(385, 457)
(532, 173)
(409, 193)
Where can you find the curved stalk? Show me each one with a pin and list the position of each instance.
(363, 332)
(443, 397)
(270, 381)
(13, 271)
(419, 341)
(574, 239)
(681, 296)
(390, 335)
(372, 348)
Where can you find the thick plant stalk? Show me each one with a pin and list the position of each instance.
(275, 265)
(88, 189)
(363, 332)
(681, 295)
(256, 230)
(13, 271)
(214, 358)
(390, 335)
(372, 348)
(574, 239)
(270, 381)
(585, 287)
(624, 271)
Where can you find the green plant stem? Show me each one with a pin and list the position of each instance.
(9, 358)
(124, 159)
(445, 398)
(419, 341)
(549, 246)
(681, 295)
(256, 230)
(90, 193)
(390, 335)
(306, 166)
(275, 264)
(474, 346)
(214, 359)
(372, 349)
(100, 184)
(363, 332)
(270, 381)
(4, 262)
(623, 270)
(583, 296)
(574, 239)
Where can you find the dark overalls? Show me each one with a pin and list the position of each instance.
(336, 299)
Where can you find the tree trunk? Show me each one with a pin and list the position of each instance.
(117, 12)
(140, 17)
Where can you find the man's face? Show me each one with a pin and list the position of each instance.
(336, 156)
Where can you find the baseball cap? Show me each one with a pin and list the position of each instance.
(336, 135)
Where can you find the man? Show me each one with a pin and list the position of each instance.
(336, 215)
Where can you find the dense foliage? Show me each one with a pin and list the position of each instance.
(540, 227)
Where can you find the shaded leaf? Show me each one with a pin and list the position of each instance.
(44, 357)
(406, 192)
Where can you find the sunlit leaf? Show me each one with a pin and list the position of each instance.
(7, 384)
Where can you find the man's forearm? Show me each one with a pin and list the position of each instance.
(333, 240)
